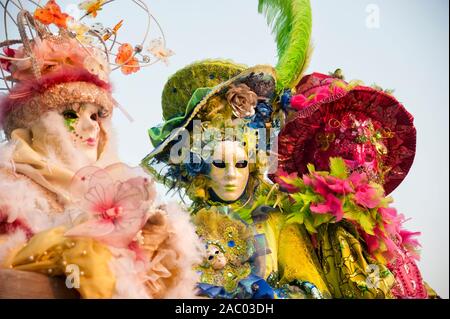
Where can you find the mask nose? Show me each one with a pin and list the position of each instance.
(88, 125)
(230, 171)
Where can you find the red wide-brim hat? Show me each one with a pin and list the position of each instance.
(319, 97)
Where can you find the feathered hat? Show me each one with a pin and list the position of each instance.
(188, 92)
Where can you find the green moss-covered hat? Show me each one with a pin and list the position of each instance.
(190, 89)
(181, 86)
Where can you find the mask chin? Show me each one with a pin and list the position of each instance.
(216, 198)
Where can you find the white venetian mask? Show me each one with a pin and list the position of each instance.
(83, 124)
(229, 171)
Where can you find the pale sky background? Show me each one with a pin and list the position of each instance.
(408, 52)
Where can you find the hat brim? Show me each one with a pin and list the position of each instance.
(214, 92)
(295, 141)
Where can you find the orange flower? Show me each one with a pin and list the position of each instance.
(92, 6)
(51, 14)
(125, 57)
(114, 31)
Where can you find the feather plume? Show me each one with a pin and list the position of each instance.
(291, 23)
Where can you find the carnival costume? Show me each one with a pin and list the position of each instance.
(345, 147)
(342, 148)
(67, 206)
(248, 241)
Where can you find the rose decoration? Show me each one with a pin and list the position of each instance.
(242, 100)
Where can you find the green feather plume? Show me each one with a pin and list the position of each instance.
(291, 22)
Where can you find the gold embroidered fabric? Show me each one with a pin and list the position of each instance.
(350, 271)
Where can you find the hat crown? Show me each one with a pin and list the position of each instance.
(182, 85)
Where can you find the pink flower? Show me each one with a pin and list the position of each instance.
(324, 185)
(337, 185)
(52, 56)
(358, 179)
(408, 239)
(332, 205)
(367, 196)
(116, 202)
(299, 102)
(319, 185)
(286, 181)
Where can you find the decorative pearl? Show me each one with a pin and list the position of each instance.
(45, 253)
(81, 273)
(230, 274)
(31, 258)
(84, 253)
(64, 262)
(50, 271)
(72, 244)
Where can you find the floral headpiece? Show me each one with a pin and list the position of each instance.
(60, 60)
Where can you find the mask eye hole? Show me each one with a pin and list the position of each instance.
(241, 164)
(70, 115)
(219, 164)
(103, 113)
(210, 257)
(217, 252)
(94, 117)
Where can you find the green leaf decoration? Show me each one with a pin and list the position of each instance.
(311, 168)
(291, 23)
(296, 218)
(338, 168)
(367, 223)
(320, 219)
(309, 224)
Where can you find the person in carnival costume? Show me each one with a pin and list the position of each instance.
(345, 147)
(67, 205)
(217, 164)
(352, 145)
(237, 211)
